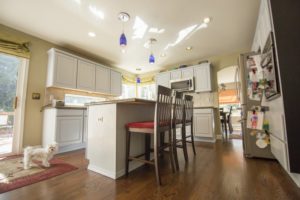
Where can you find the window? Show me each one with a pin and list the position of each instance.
(146, 91)
(78, 100)
(128, 91)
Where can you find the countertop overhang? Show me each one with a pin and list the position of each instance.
(122, 101)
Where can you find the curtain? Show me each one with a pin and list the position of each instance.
(13, 48)
(228, 97)
(132, 80)
(128, 80)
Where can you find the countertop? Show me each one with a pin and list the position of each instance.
(49, 106)
(204, 107)
(122, 101)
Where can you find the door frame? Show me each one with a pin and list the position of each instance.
(17, 143)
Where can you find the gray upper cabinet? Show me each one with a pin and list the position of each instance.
(176, 74)
(102, 79)
(187, 73)
(86, 76)
(62, 70)
(115, 83)
(69, 71)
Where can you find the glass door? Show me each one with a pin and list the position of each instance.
(9, 67)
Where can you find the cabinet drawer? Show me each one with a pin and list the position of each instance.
(278, 148)
(204, 111)
(69, 112)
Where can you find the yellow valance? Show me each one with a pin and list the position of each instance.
(132, 80)
(13, 48)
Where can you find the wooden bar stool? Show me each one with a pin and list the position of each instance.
(187, 121)
(160, 125)
(177, 122)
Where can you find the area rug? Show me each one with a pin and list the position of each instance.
(13, 176)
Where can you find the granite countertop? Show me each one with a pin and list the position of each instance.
(122, 101)
(64, 107)
(204, 107)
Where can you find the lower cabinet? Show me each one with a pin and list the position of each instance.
(204, 124)
(67, 127)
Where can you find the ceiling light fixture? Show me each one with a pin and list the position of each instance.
(123, 17)
(152, 41)
(189, 48)
(206, 20)
(92, 34)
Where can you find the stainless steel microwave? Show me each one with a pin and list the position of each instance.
(182, 84)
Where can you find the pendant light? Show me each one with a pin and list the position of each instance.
(123, 17)
(152, 41)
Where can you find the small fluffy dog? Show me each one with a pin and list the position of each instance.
(42, 154)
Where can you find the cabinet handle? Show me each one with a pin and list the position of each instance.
(100, 119)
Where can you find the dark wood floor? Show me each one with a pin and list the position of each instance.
(218, 171)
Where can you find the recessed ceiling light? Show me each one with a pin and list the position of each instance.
(163, 55)
(189, 48)
(138, 69)
(206, 20)
(92, 34)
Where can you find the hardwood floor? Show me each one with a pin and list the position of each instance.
(218, 171)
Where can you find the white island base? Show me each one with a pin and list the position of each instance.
(106, 143)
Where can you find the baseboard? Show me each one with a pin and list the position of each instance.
(203, 139)
(101, 171)
(219, 137)
(296, 178)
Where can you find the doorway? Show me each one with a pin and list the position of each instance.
(13, 85)
(229, 104)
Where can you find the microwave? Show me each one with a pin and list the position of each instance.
(182, 85)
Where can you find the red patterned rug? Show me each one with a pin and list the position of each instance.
(13, 176)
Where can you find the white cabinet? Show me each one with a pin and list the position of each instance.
(66, 127)
(176, 74)
(69, 71)
(69, 130)
(263, 27)
(279, 150)
(62, 70)
(163, 79)
(203, 123)
(86, 76)
(187, 73)
(202, 74)
(115, 83)
(102, 79)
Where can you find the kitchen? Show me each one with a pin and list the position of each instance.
(71, 73)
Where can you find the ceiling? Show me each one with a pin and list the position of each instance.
(68, 23)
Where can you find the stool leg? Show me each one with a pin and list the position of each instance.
(192, 138)
(175, 149)
(184, 144)
(171, 149)
(156, 157)
(127, 151)
(147, 146)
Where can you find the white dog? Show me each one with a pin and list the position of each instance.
(42, 154)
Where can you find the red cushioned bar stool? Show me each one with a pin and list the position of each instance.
(160, 125)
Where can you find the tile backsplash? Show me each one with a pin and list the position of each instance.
(205, 99)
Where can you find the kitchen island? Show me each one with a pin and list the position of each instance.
(107, 135)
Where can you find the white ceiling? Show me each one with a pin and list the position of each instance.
(67, 23)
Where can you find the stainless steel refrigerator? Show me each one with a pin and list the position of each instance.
(246, 62)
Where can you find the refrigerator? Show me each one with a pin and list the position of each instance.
(247, 63)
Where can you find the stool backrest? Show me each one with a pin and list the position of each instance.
(178, 108)
(163, 107)
(188, 108)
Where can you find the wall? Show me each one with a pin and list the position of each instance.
(36, 80)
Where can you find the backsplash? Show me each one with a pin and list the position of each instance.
(205, 99)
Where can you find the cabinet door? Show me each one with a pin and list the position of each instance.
(115, 83)
(102, 80)
(85, 128)
(176, 74)
(163, 79)
(69, 130)
(187, 73)
(202, 78)
(65, 71)
(203, 125)
(86, 76)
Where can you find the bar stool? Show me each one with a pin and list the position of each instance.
(160, 125)
(187, 121)
(177, 122)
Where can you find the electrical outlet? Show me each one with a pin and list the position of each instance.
(36, 96)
